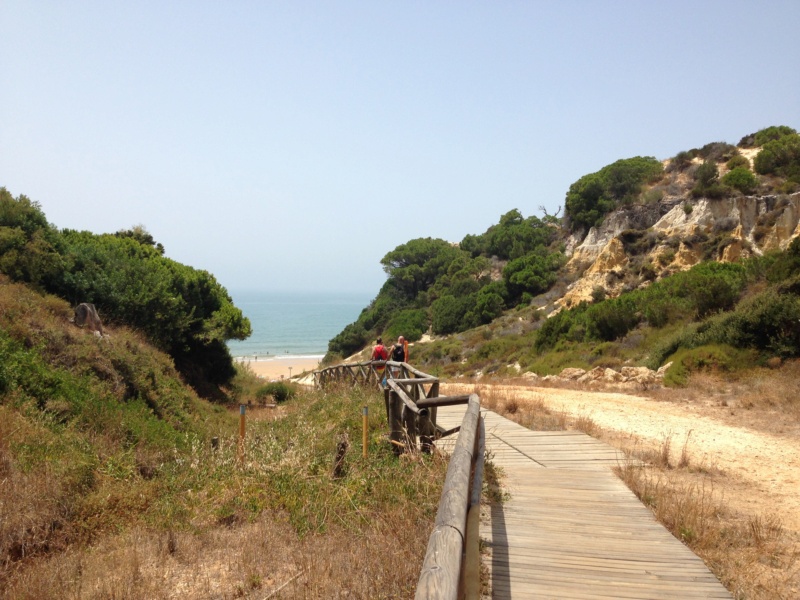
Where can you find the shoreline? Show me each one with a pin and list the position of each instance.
(276, 368)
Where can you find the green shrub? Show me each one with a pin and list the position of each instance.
(780, 157)
(769, 321)
(765, 135)
(742, 179)
(277, 390)
(533, 273)
(611, 319)
(716, 358)
(718, 151)
(738, 161)
(681, 161)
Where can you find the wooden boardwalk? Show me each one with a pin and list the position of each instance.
(570, 528)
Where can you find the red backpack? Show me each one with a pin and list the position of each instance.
(380, 353)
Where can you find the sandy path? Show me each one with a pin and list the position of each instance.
(768, 465)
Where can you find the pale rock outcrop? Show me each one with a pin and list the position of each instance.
(685, 258)
(572, 373)
(612, 257)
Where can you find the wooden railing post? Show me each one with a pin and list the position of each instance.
(410, 426)
(395, 422)
(426, 431)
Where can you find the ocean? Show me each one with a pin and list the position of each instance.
(294, 324)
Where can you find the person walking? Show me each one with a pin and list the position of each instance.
(379, 352)
(399, 353)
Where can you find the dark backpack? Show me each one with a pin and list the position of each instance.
(398, 353)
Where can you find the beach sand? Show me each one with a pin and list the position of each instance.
(275, 368)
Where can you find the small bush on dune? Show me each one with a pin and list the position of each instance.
(716, 358)
(718, 151)
(278, 390)
(738, 161)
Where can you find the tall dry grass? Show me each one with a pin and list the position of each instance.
(750, 553)
(276, 525)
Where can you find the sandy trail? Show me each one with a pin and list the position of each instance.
(767, 465)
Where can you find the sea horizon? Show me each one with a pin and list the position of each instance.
(291, 325)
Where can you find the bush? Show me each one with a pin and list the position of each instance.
(681, 161)
(277, 390)
(706, 174)
(706, 358)
(738, 161)
(765, 135)
(780, 157)
(533, 273)
(718, 151)
(611, 319)
(183, 311)
(742, 179)
(769, 321)
(707, 178)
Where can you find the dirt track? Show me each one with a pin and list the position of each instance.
(763, 468)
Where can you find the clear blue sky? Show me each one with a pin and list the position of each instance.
(290, 145)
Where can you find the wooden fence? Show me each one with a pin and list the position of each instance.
(451, 568)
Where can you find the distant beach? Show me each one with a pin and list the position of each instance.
(291, 330)
(277, 368)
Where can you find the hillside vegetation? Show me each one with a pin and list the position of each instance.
(110, 486)
(182, 310)
(688, 258)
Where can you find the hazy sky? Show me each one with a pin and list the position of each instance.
(291, 145)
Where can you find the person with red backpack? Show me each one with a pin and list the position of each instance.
(379, 352)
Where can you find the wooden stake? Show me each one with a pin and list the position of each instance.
(365, 415)
(242, 408)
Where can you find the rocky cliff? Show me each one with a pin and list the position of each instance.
(640, 243)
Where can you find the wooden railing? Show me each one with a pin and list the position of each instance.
(451, 568)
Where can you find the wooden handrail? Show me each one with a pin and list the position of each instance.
(451, 568)
(442, 568)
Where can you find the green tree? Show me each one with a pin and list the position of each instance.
(411, 323)
(534, 273)
(593, 196)
(29, 245)
(414, 267)
(448, 314)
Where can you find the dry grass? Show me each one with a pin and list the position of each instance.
(765, 399)
(361, 536)
(750, 554)
(261, 560)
